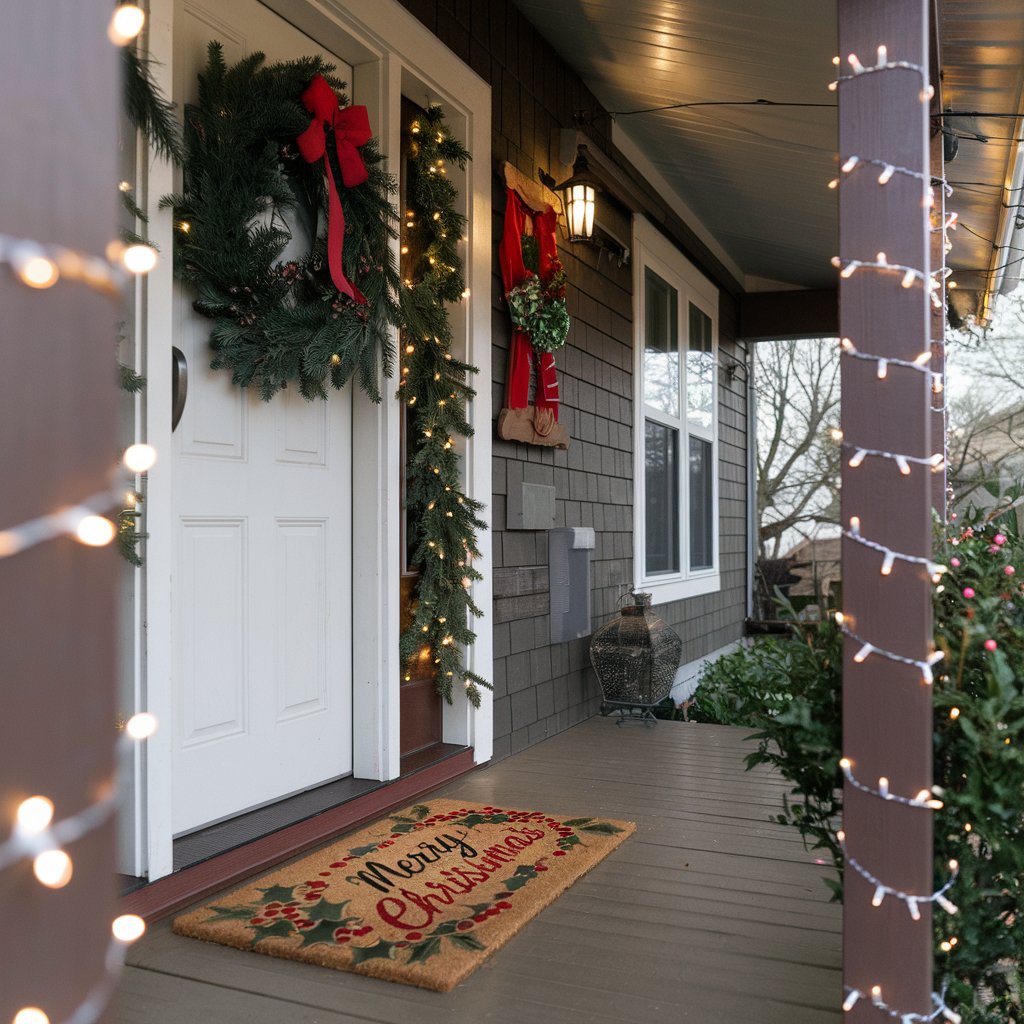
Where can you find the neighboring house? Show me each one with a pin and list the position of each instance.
(987, 453)
(817, 564)
(268, 612)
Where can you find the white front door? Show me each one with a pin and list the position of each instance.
(261, 566)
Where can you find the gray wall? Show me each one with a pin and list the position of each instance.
(541, 688)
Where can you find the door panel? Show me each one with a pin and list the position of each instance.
(261, 584)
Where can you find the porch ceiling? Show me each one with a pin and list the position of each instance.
(756, 176)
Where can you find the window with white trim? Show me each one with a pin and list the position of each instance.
(676, 487)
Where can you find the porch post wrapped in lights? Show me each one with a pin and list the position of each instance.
(886, 289)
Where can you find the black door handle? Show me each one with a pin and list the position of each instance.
(179, 385)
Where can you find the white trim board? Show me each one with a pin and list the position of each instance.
(687, 680)
(653, 249)
(391, 53)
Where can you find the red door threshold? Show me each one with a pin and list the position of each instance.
(171, 893)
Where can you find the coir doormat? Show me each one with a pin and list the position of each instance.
(421, 897)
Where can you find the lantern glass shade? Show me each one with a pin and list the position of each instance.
(578, 204)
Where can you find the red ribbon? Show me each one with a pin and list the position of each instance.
(513, 272)
(351, 127)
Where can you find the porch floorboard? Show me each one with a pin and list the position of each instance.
(710, 913)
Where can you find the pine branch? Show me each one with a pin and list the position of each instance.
(147, 110)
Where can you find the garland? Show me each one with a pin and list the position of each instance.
(319, 317)
(442, 519)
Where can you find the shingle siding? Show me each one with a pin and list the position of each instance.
(543, 688)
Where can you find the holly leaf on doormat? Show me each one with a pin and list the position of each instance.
(467, 942)
(322, 931)
(523, 874)
(278, 893)
(417, 813)
(575, 822)
(472, 820)
(362, 851)
(379, 951)
(327, 911)
(604, 828)
(280, 929)
(424, 950)
(568, 841)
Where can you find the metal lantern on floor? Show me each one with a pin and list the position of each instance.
(635, 657)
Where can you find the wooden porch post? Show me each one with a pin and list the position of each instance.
(60, 101)
(938, 314)
(886, 702)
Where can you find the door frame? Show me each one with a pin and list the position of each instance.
(390, 52)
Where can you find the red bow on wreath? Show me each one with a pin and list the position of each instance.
(351, 127)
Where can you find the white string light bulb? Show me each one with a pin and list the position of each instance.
(30, 1015)
(141, 726)
(53, 868)
(139, 458)
(126, 24)
(34, 815)
(95, 531)
(139, 259)
(128, 927)
(33, 266)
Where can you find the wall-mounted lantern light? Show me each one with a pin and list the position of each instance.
(578, 194)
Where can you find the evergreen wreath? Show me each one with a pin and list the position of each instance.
(276, 320)
(434, 386)
(537, 305)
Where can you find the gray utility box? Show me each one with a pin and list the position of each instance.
(569, 551)
(530, 507)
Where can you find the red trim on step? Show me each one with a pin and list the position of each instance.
(166, 895)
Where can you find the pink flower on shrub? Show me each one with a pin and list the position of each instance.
(968, 592)
(999, 539)
(955, 562)
(1009, 570)
(990, 644)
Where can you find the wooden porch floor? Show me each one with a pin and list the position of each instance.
(709, 913)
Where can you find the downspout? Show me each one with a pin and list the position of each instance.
(751, 479)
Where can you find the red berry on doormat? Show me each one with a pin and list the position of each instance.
(464, 926)
(413, 936)
(559, 853)
(504, 905)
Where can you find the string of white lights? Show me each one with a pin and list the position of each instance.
(889, 556)
(933, 462)
(920, 363)
(82, 521)
(932, 282)
(924, 799)
(868, 648)
(41, 266)
(34, 835)
(854, 995)
(851, 163)
(847, 268)
(912, 901)
(883, 64)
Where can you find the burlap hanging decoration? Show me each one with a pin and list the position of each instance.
(519, 420)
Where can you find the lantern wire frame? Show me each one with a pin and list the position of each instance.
(636, 656)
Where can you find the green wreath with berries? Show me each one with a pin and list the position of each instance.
(274, 157)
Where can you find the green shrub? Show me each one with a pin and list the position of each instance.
(788, 689)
